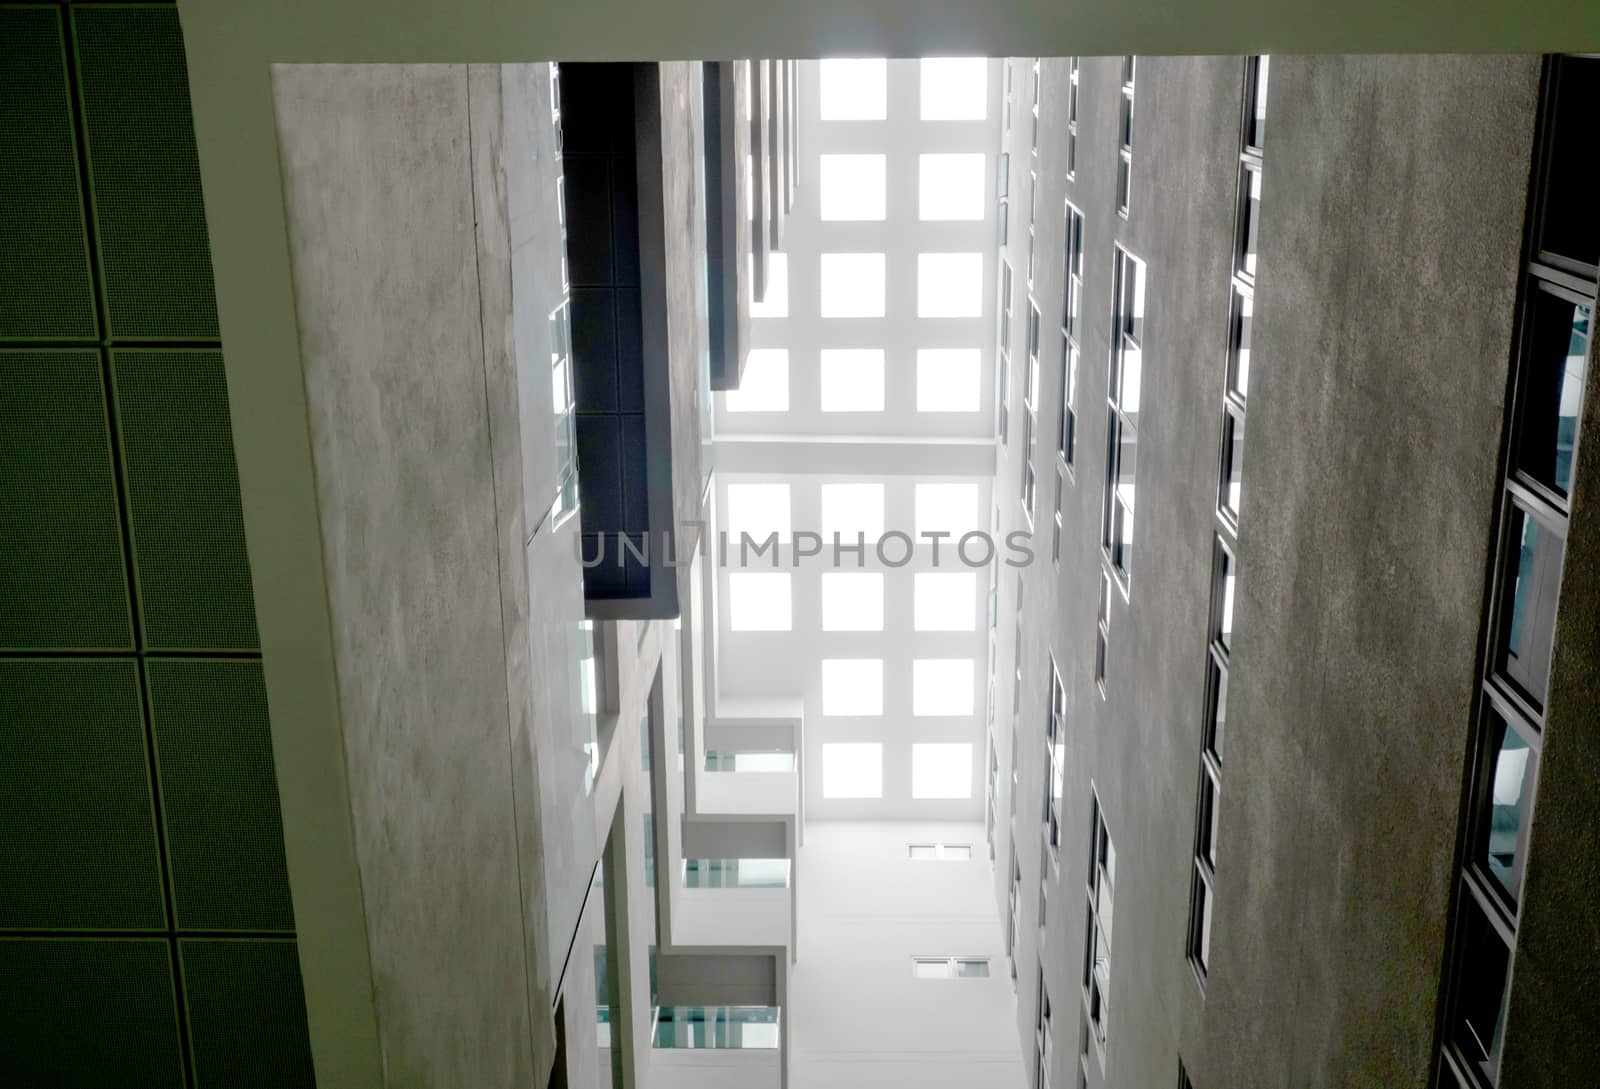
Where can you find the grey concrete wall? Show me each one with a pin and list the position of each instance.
(400, 243)
(1392, 218)
(1394, 195)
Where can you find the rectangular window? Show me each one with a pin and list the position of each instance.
(1555, 367)
(1055, 740)
(1230, 480)
(1102, 634)
(1055, 533)
(1569, 237)
(1503, 800)
(950, 967)
(1043, 1038)
(1098, 928)
(1255, 129)
(939, 852)
(1223, 577)
(1004, 399)
(1125, 150)
(1249, 218)
(1122, 413)
(1071, 332)
(1072, 117)
(1030, 405)
(1530, 583)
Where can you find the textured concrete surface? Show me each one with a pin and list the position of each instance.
(404, 310)
(1382, 337)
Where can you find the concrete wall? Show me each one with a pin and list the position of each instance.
(401, 252)
(857, 1017)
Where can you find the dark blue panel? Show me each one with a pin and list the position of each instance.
(625, 222)
(635, 466)
(600, 462)
(630, 350)
(589, 234)
(594, 350)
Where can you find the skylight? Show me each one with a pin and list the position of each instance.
(764, 386)
(950, 508)
(851, 509)
(852, 379)
(852, 285)
(948, 379)
(941, 770)
(852, 686)
(945, 601)
(776, 304)
(852, 769)
(941, 687)
(759, 601)
(853, 90)
(851, 186)
(757, 509)
(951, 186)
(852, 601)
(949, 285)
(955, 88)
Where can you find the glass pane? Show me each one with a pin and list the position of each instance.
(1532, 585)
(931, 969)
(1250, 227)
(958, 852)
(1570, 228)
(1202, 937)
(924, 851)
(1208, 818)
(1480, 1012)
(1232, 477)
(972, 969)
(1219, 707)
(1224, 590)
(1239, 355)
(1258, 117)
(1552, 389)
(1503, 823)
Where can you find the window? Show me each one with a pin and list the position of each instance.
(1122, 413)
(1530, 584)
(955, 88)
(1504, 803)
(1030, 417)
(852, 285)
(764, 386)
(942, 687)
(852, 379)
(776, 303)
(941, 770)
(852, 601)
(1071, 334)
(1072, 117)
(1222, 596)
(1097, 937)
(951, 186)
(1055, 745)
(944, 601)
(851, 186)
(1043, 1042)
(950, 967)
(947, 379)
(1055, 533)
(940, 852)
(949, 285)
(1249, 218)
(1102, 642)
(1239, 340)
(852, 512)
(853, 90)
(759, 510)
(1005, 350)
(1034, 136)
(1547, 423)
(1230, 481)
(852, 769)
(852, 687)
(759, 601)
(1125, 150)
(951, 509)
(1256, 101)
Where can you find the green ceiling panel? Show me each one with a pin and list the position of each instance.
(46, 286)
(247, 1014)
(88, 1012)
(219, 795)
(155, 254)
(183, 497)
(62, 573)
(78, 848)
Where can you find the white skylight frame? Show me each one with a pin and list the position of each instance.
(853, 284)
(852, 379)
(764, 386)
(949, 379)
(852, 187)
(943, 687)
(854, 89)
(852, 601)
(950, 285)
(941, 770)
(760, 601)
(954, 89)
(852, 769)
(944, 601)
(952, 185)
(852, 687)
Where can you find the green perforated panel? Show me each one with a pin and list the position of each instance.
(183, 500)
(155, 254)
(85, 1012)
(46, 288)
(219, 795)
(62, 574)
(247, 1014)
(77, 831)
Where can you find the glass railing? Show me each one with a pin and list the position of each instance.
(739, 1028)
(749, 760)
(736, 873)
